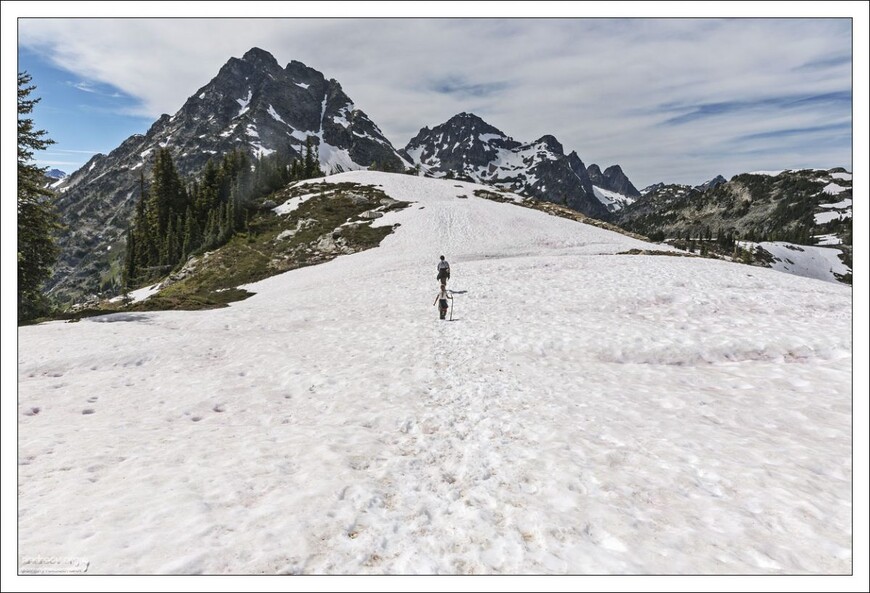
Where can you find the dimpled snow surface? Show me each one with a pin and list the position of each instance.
(586, 411)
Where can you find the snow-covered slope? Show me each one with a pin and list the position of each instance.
(585, 411)
(821, 263)
(612, 200)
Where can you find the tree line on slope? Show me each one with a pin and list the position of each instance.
(174, 219)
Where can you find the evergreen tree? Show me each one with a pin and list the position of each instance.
(192, 238)
(37, 219)
(311, 166)
(128, 275)
(168, 196)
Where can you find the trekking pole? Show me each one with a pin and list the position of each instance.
(451, 305)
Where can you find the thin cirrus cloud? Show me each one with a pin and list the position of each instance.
(840, 101)
(89, 87)
(818, 131)
(667, 99)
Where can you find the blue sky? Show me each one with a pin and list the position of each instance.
(674, 100)
(82, 117)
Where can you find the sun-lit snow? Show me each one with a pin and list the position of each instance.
(824, 217)
(828, 240)
(816, 262)
(322, 115)
(332, 157)
(259, 150)
(833, 189)
(341, 117)
(612, 200)
(275, 115)
(843, 176)
(143, 293)
(300, 135)
(292, 204)
(585, 412)
(839, 205)
(485, 138)
(244, 104)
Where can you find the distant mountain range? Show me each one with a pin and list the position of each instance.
(793, 208)
(778, 206)
(255, 105)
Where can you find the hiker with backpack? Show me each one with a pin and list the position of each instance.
(443, 271)
(441, 300)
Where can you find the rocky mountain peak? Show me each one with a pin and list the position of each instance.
(468, 147)
(551, 144)
(595, 175)
(471, 124)
(261, 58)
(618, 181)
(716, 181)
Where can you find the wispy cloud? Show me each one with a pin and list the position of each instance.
(89, 87)
(69, 151)
(82, 86)
(834, 129)
(695, 112)
(825, 63)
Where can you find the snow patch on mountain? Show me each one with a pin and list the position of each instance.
(809, 261)
(336, 159)
(825, 217)
(292, 204)
(244, 103)
(612, 200)
(833, 189)
(271, 111)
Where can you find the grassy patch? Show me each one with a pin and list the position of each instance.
(565, 212)
(494, 196)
